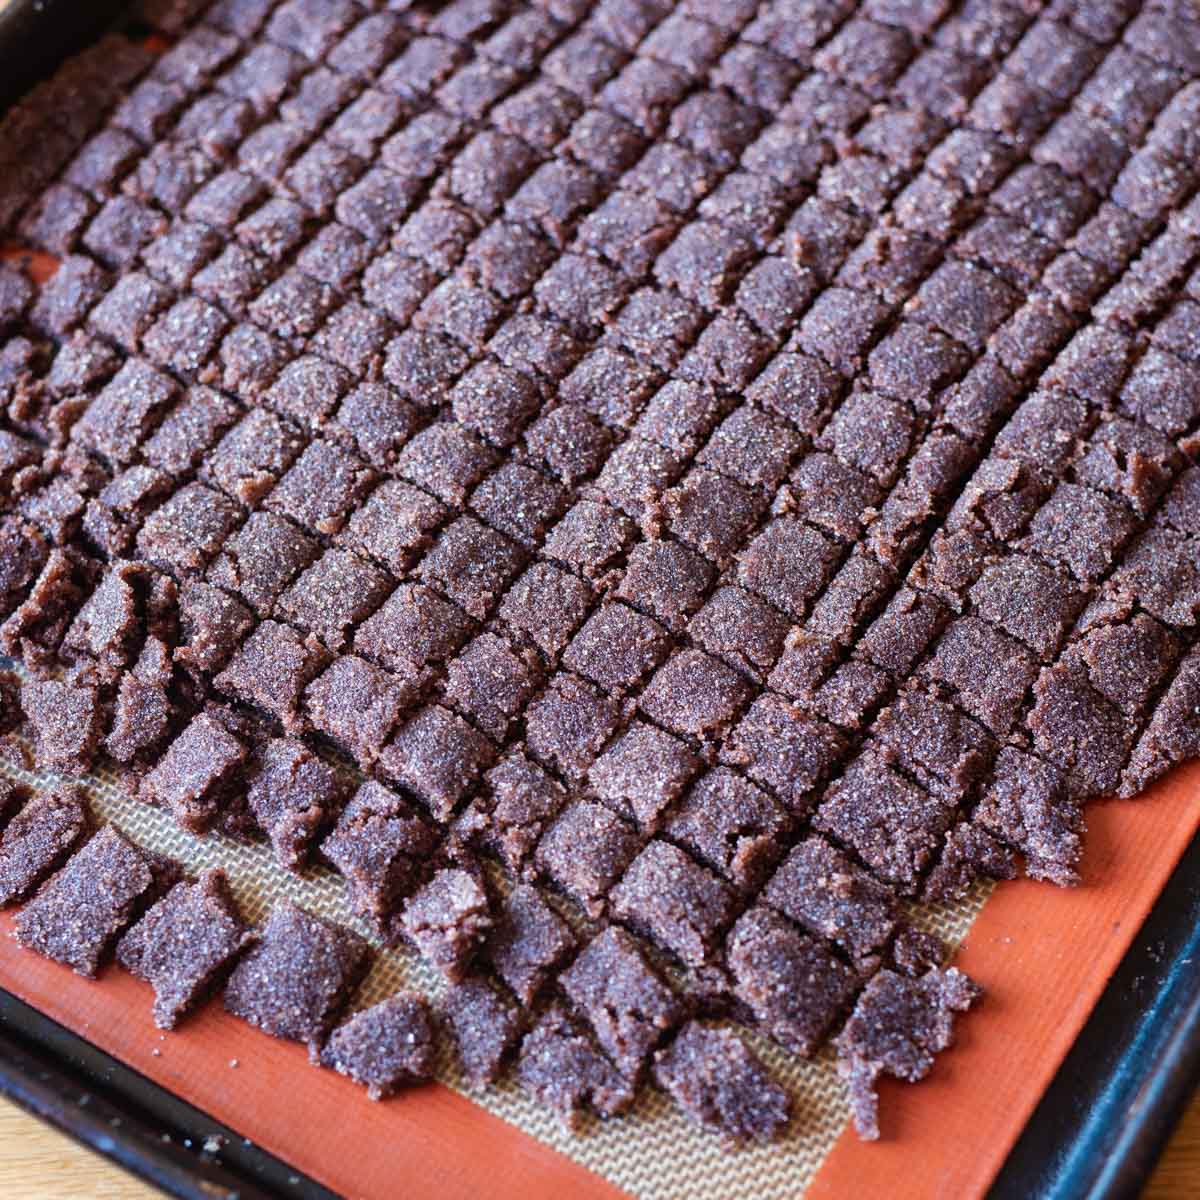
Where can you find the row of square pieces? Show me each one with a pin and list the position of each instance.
(1102, 249)
(583, 851)
(417, 612)
(129, 314)
(1019, 205)
(1075, 525)
(711, 512)
(1159, 367)
(587, 43)
(473, 566)
(495, 400)
(417, 628)
(610, 983)
(1079, 527)
(492, 398)
(1030, 195)
(1123, 530)
(626, 25)
(266, 71)
(697, 577)
(318, 188)
(756, 444)
(188, 336)
(701, 262)
(271, 987)
(441, 758)
(750, 442)
(567, 725)
(674, 888)
(325, 169)
(417, 631)
(349, 38)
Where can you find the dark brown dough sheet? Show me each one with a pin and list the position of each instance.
(724, 472)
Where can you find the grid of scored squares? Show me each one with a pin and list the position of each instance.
(656, 283)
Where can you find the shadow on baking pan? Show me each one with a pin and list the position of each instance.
(35, 36)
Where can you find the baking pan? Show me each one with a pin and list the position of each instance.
(128, 1118)
(1096, 1133)
(1102, 1124)
(36, 35)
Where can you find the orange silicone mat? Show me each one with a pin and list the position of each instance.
(1043, 954)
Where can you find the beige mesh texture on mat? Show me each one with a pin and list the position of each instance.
(653, 1153)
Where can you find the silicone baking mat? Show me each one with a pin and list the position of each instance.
(1043, 954)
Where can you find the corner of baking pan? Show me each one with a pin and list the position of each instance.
(36, 35)
(1101, 1126)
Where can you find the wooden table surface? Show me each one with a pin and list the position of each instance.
(39, 1163)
